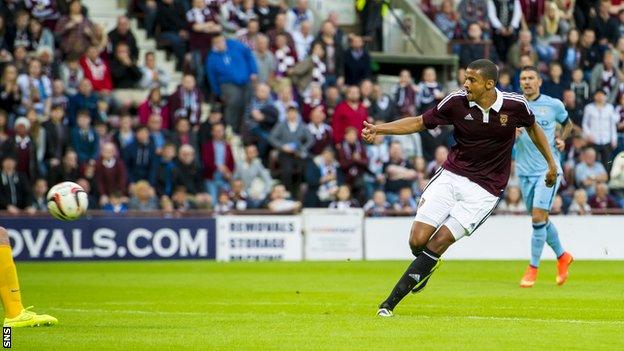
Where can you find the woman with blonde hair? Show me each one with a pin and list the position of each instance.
(555, 27)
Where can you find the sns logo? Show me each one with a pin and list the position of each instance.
(6, 337)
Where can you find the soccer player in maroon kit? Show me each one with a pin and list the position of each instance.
(463, 193)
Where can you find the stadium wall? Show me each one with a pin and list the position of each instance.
(314, 235)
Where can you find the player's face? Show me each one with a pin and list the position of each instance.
(530, 82)
(475, 85)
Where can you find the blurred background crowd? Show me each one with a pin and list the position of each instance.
(271, 102)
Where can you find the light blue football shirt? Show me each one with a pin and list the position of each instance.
(548, 112)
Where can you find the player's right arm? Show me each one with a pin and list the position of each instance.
(407, 125)
(441, 114)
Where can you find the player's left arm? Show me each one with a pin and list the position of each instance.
(538, 137)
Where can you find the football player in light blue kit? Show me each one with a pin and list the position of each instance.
(531, 168)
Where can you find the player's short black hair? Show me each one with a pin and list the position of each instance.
(486, 68)
(530, 68)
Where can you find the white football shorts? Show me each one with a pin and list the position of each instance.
(455, 201)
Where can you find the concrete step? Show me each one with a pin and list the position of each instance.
(105, 12)
(96, 5)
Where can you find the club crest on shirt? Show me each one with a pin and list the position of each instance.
(503, 119)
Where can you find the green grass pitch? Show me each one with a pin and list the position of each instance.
(201, 305)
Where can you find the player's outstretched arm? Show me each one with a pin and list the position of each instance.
(539, 139)
(407, 125)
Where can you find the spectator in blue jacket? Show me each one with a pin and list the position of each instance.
(85, 99)
(140, 157)
(231, 67)
(84, 139)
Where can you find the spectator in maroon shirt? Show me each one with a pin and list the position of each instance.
(110, 173)
(185, 102)
(353, 161)
(405, 94)
(218, 161)
(280, 28)
(45, 11)
(285, 56)
(349, 113)
(602, 200)
(154, 104)
(75, 32)
(532, 11)
(321, 131)
(203, 24)
(22, 148)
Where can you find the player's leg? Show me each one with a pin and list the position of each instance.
(411, 277)
(538, 239)
(564, 259)
(15, 314)
(464, 218)
(434, 207)
(9, 284)
(538, 236)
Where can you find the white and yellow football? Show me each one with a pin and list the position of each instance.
(67, 201)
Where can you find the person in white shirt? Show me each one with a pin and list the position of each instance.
(303, 38)
(599, 127)
(297, 15)
(36, 89)
(153, 76)
(505, 17)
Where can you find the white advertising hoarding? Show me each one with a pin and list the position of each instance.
(503, 237)
(259, 238)
(333, 234)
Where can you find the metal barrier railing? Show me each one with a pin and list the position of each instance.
(254, 212)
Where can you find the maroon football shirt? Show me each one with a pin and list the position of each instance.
(484, 138)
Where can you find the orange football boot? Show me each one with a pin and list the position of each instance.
(529, 278)
(563, 263)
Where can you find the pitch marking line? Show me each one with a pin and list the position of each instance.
(491, 318)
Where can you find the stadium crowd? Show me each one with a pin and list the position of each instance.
(286, 94)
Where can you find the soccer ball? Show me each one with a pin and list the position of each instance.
(67, 201)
